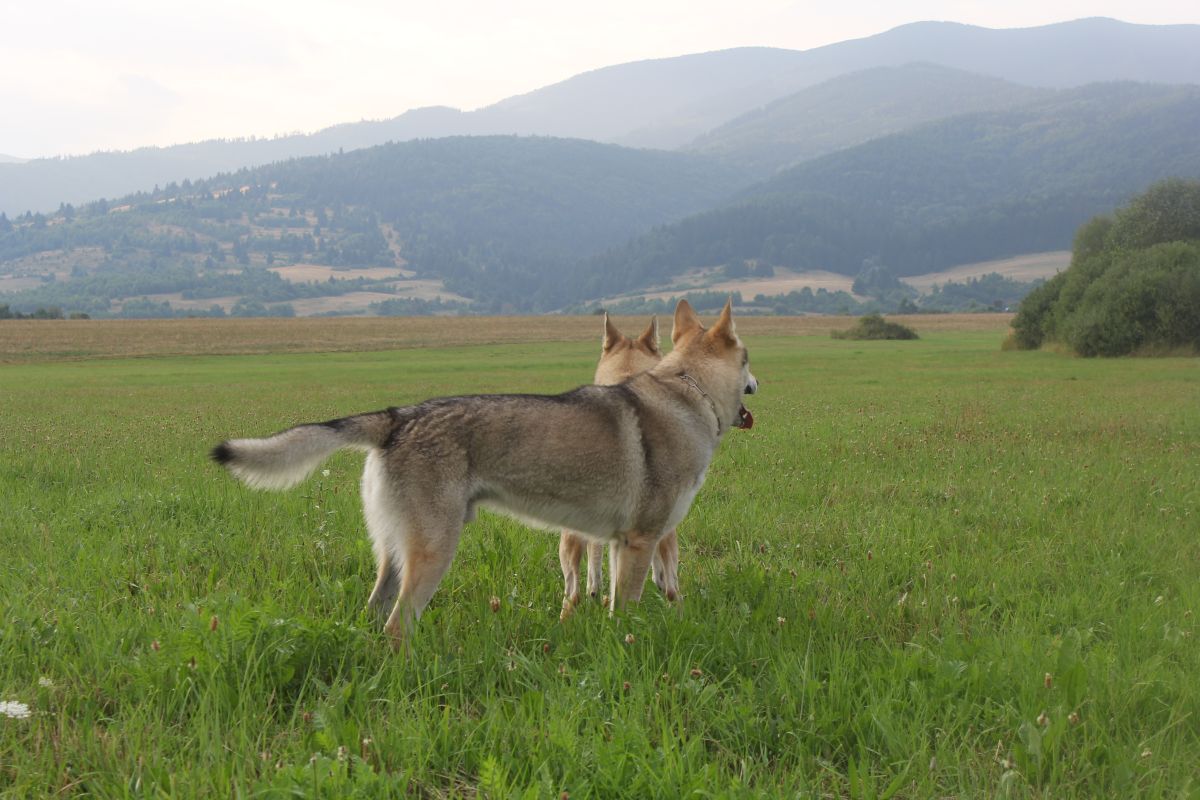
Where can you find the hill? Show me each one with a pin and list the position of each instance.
(970, 188)
(853, 109)
(492, 219)
(661, 103)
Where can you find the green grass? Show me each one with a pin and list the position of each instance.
(878, 579)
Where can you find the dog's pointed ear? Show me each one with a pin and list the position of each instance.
(612, 336)
(649, 337)
(724, 329)
(686, 321)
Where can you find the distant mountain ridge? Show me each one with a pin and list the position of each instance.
(662, 103)
(539, 224)
(968, 188)
(852, 109)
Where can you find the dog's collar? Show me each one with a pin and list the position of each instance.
(690, 381)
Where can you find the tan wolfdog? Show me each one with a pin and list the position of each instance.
(620, 464)
(620, 359)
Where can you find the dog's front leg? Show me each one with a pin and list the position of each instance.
(570, 549)
(595, 579)
(666, 566)
(630, 558)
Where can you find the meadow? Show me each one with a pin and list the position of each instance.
(932, 569)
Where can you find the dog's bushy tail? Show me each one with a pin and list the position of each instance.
(284, 459)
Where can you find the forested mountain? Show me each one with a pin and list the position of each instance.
(495, 218)
(969, 188)
(537, 223)
(853, 109)
(662, 103)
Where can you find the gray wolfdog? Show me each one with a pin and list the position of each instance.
(620, 464)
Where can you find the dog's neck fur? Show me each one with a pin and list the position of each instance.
(690, 381)
(719, 392)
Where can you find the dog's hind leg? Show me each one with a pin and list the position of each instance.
(429, 540)
(570, 549)
(385, 538)
(666, 566)
(425, 562)
(387, 585)
(629, 559)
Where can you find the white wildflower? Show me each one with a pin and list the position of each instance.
(45, 682)
(324, 473)
(15, 709)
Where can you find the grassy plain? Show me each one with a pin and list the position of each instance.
(932, 569)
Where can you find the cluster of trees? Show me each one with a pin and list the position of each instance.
(991, 292)
(417, 307)
(1133, 284)
(53, 312)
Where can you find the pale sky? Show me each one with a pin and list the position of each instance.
(83, 75)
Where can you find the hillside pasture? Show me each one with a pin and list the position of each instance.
(932, 569)
(1024, 268)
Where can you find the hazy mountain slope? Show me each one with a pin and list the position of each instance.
(852, 109)
(44, 184)
(1064, 54)
(663, 103)
(969, 188)
(660, 97)
(1060, 55)
(495, 218)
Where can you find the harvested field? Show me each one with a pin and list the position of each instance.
(1021, 268)
(38, 340)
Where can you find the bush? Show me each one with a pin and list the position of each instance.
(1133, 285)
(873, 326)
(1149, 299)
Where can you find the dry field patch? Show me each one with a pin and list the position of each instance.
(1021, 268)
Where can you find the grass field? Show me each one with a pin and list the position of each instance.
(932, 569)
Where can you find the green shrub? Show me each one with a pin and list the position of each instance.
(873, 326)
(1133, 284)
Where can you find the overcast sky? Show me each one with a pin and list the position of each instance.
(82, 75)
